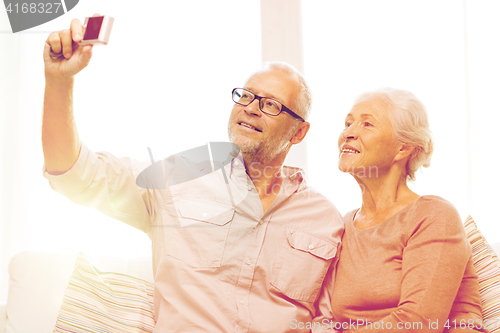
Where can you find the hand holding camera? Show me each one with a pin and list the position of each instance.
(68, 51)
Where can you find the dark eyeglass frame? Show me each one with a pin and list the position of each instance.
(259, 98)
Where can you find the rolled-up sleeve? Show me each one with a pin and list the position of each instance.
(108, 184)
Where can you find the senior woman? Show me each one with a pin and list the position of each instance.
(405, 263)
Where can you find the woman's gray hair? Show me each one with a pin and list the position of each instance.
(410, 123)
(303, 101)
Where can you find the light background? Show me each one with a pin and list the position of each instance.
(164, 82)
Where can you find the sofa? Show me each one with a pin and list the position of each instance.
(38, 286)
(38, 282)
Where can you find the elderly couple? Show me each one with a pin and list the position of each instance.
(280, 260)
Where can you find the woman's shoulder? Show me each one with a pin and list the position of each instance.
(433, 203)
(432, 209)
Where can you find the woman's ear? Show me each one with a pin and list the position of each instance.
(404, 152)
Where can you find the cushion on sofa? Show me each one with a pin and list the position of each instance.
(36, 288)
(97, 301)
(38, 281)
(488, 271)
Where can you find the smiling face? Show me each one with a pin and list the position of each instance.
(257, 133)
(367, 143)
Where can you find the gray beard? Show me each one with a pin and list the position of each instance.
(263, 151)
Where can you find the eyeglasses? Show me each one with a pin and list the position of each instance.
(267, 105)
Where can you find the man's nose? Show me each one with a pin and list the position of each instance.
(253, 108)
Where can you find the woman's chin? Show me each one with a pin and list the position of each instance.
(347, 167)
(343, 169)
(360, 171)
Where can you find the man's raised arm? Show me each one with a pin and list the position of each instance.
(60, 140)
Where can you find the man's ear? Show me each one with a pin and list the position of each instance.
(300, 133)
(404, 152)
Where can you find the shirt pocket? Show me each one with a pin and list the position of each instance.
(302, 264)
(201, 236)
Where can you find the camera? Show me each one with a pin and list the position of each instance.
(97, 30)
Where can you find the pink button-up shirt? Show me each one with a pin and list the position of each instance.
(221, 264)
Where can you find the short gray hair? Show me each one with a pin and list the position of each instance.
(410, 123)
(304, 100)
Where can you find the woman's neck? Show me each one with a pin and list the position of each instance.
(382, 197)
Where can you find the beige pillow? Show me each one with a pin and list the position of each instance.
(36, 289)
(105, 302)
(488, 271)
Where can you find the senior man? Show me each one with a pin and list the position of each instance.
(245, 249)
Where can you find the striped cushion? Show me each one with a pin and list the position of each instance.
(105, 302)
(488, 271)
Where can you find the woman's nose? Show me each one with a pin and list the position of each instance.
(349, 133)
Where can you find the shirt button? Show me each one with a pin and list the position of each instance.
(204, 214)
(311, 246)
(250, 187)
(291, 231)
(249, 262)
(242, 302)
(261, 222)
(236, 162)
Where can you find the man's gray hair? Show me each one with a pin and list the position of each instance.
(303, 101)
(410, 124)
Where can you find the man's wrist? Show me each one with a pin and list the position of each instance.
(59, 82)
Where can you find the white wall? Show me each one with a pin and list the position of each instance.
(138, 93)
(420, 46)
(163, 81)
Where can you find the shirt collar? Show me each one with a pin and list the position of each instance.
(294, 177)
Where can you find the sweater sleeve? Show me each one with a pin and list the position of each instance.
(433, 264)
